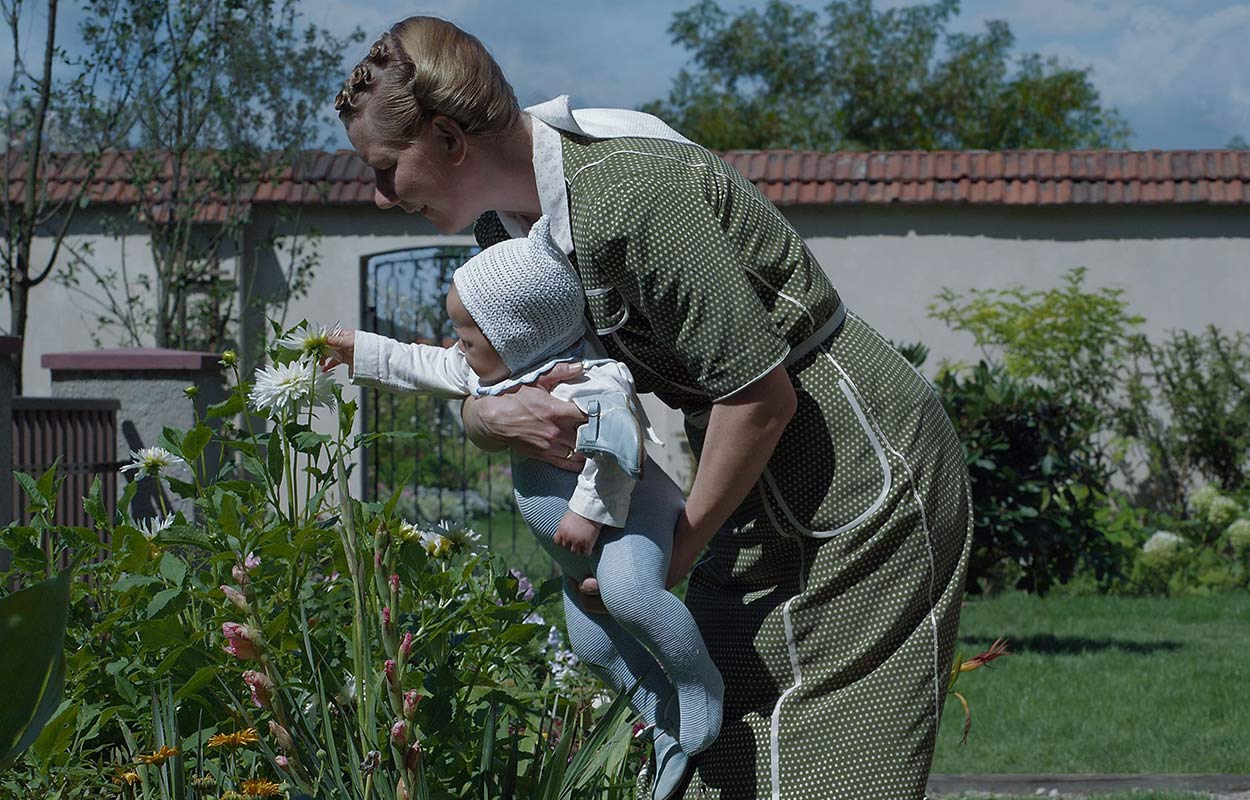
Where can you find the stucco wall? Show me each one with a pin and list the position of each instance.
(1181, 267)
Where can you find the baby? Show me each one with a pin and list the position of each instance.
(517, 309)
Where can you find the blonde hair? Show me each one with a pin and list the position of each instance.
(425, 66)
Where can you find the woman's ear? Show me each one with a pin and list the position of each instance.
(451, 138)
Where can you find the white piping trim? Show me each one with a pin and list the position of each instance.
(887, 476)
(781, 294)
(770, 368)
(599, 292)
(924, 525)
(637, 153)
(774, 725)
(617, 326)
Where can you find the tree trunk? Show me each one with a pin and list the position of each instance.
(19, 294)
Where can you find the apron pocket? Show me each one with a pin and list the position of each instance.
(830, 472)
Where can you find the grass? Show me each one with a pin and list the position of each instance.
(1105, 684)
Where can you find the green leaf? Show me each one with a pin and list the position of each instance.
(163, 632)
(48, 484)
(31, 487)
(196, 440)
(186, 535)
(162, 600)
(58, 733)
(229, 516)
(202, 677)
(170, 439)
(232, 405)
(173, 569)
(93, 504)
(129, 582)
(184, 489)
(518, 634)
(32, 661)
(123, 504)
(275, 459)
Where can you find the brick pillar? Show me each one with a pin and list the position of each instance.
(149, 383)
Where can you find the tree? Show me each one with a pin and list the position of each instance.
(868, 79)
(51, 126)
(232, 93)
(1238, 142)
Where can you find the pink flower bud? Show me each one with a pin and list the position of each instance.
(413, 757)
(390, 669)
(236, 597)
(261, 686)
(281, 762)
(386, 616)
(239, 574)
(241, 641)
(405, 646)
(251, 562)
(399, 733)
(377, 559)
(395, 583)
(281, 735)
(411, 700)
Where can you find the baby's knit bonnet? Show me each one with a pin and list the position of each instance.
(525, 296)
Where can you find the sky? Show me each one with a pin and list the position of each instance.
(1177, 70)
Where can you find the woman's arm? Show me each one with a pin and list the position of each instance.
(743, 430)
(529, 420)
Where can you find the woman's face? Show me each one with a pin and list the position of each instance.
(426, 177)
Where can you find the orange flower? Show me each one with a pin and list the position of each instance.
(997, 649)
(260, 787)
(126, 778)
(237, 739)
(158, 757)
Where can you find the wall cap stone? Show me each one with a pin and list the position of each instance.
(130, 359)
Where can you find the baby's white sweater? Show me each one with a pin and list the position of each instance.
(603, 489)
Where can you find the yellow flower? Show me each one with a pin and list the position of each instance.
(159, 757)
(260, 787)
(237, 739)
(127, 778)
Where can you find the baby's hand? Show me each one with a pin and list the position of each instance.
(576, 533)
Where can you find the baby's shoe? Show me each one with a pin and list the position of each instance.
(673, 768)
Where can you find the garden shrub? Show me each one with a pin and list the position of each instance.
(1037, 489)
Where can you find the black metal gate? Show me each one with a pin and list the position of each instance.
(444, 476)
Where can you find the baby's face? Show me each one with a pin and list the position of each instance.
(480, 353)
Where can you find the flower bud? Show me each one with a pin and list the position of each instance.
(241, 641)
(236, 597)
(399, 733)
(405, 646)
(240, 575)
(413, 757)
(390, 669)
(411, 700)
(281, 735)
(261, 686)
(281, 761)
(395, 583)
(386, 616)
(251, 562)
(191, 391)
(229, 358)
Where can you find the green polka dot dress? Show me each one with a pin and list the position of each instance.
(830, 602)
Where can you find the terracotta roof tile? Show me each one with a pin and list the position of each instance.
(1012, 177)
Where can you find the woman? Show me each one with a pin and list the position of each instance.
(830, 485)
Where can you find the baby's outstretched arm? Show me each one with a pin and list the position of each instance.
(578, 534)
(384, 363)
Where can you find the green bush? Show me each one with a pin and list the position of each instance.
(1037, 490)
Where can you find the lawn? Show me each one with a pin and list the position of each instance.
(1105, 684)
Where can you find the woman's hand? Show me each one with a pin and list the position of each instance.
(342, 345)
(530, 421)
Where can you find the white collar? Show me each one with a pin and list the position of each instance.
(547, 120)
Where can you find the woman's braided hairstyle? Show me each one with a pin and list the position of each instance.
(421, 67)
